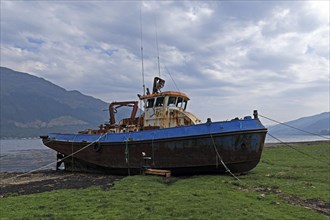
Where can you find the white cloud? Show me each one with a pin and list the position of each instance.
(230, 57)
(319, 9)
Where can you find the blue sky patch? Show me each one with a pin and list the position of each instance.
(33, 40)
(27, 48)
(110, 52)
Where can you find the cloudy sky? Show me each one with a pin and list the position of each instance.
(229, 57)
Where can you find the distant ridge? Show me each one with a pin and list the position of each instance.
(32, 106)
(317, 124)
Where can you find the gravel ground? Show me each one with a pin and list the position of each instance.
(43, 181)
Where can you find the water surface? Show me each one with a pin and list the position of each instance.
(24, 155)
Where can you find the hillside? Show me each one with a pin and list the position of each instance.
(318, 124)
(32, 106)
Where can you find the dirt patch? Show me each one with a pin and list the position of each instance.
(43, 181)
(314, 204)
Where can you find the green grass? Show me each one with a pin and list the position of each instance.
(260, 194)
(293, 172)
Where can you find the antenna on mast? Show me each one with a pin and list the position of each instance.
(157, 46)
(144, 86)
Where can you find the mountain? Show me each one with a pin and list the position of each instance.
(317, 124)
(31, 106)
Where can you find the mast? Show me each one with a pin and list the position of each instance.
(143, 85)
(157, 47)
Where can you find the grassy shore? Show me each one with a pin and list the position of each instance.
(287, 184)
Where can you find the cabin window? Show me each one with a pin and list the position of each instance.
(179, 103)
(160, 101)
(171, 101)
(185, 102)
(150, 103)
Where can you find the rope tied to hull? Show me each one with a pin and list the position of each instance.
(221, 160)
(71, 153)
(127, 156)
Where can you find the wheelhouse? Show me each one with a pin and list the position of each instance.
(166, 109)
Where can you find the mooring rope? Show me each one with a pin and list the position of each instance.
(290, 126)
(288, 145)
(41, 168)
(223, 163)
(71, 153)
(127, 153)
(282, 142)
(88, 145)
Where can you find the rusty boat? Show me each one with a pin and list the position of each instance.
(164, 136)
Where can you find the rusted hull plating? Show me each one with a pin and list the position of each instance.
(240, 151)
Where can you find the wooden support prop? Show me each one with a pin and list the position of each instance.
(166, 173)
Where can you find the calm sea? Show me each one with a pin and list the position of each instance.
(297, 138)
(24, 155)
(21, 144)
